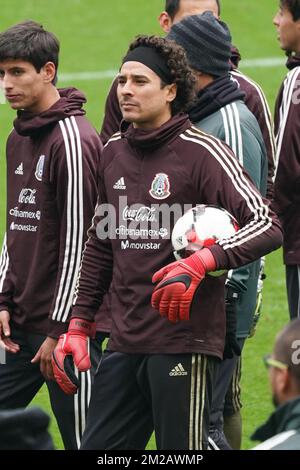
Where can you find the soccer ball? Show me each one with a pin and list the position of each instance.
(201, 226)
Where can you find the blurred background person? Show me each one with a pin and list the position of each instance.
(282, 430)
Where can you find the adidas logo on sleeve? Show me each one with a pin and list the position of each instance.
(178, 371)
(120, 184)
(19, 170)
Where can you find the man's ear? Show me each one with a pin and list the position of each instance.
(298, 25)
(165, 22)
(172, 92)
(284, 383)
(49, 71)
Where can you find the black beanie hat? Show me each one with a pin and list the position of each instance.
(206, 41)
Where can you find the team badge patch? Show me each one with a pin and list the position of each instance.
(160, 187)
(40, 168)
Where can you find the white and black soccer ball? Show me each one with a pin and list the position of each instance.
(201, 226)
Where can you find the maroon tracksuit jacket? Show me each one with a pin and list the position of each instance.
(52, 162)
(141, 171)
(287, 181)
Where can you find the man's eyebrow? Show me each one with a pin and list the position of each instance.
(133, 76)
(15, 67)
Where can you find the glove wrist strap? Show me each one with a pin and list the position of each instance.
(85, 327)
(202, 258)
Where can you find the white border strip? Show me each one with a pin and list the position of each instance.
(266, 62)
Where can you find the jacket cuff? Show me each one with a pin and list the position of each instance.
(5, 307)
(57, 328)
(79, 312)
(220, 257)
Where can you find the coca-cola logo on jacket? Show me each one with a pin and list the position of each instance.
(141, 214)
(27, 196)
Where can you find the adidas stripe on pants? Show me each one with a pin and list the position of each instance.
(134, 394)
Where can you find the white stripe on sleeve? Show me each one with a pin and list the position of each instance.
(289, 85)
(261, 220)
(75, 220)
(267, 112)
(4, 262)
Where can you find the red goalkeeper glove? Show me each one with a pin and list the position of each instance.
(73, 343)
(174, 294)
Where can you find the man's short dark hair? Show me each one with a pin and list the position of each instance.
(293, 6)
(287, 348)
(30, 42)
(172, 7)
(177, 63)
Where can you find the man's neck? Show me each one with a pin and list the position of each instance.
(48, 100)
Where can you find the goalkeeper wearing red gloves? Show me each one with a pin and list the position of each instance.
(157, 371)
(75, 343)
(178, 283)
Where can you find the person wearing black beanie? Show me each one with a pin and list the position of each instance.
(207, 43)
(220, 110)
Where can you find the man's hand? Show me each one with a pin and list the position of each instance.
(232, 347)
(44, 357)
(174, 294)
(5, 340)
(74, 343)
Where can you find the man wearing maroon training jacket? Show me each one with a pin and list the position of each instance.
(158, 370)
(175, 11)
(52, 157)
(287, 180)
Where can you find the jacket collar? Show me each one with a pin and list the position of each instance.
(150, 139)
(293, 61)
(70, 104)
(219, 93)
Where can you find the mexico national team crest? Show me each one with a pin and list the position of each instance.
(160, 187)
(40, 168)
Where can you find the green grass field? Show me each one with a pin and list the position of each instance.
(94, 36)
